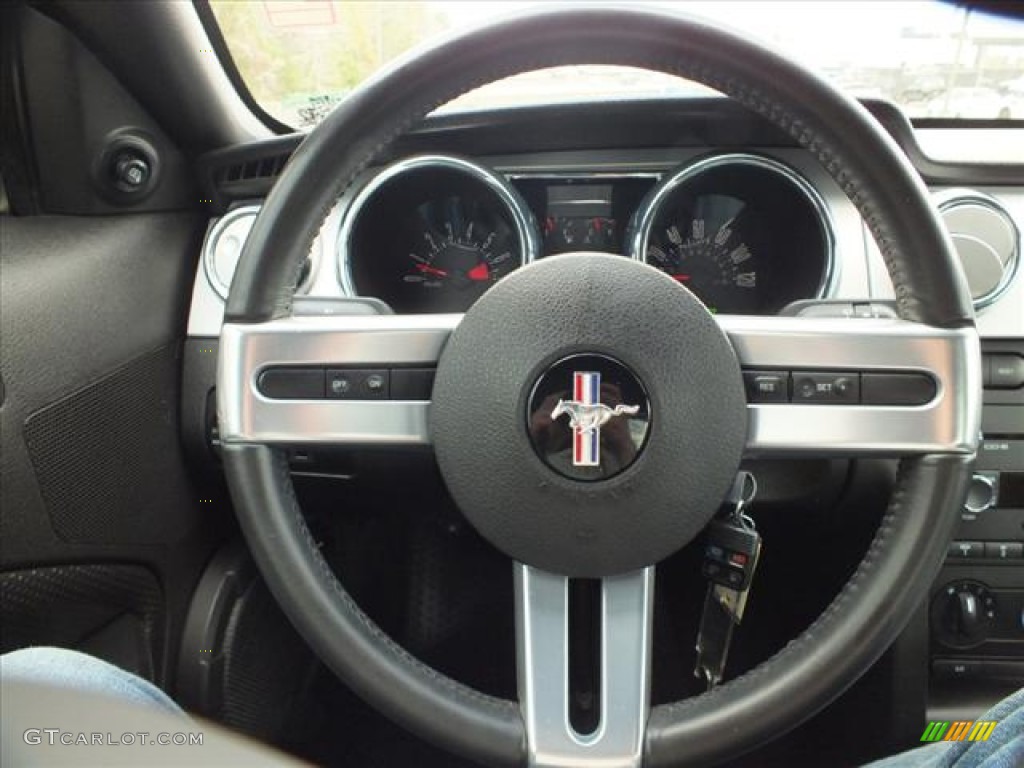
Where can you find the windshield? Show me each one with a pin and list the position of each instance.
(301, 57)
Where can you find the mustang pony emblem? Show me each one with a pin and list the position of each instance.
(587, 414)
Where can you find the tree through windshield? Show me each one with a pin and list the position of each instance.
(301, 57)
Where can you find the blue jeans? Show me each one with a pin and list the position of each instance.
(1004, 749)
(63, 668)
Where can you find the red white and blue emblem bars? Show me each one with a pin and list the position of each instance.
(586, 444)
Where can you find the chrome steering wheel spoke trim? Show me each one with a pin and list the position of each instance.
(380, 341)
(542, 658)
(949, 423)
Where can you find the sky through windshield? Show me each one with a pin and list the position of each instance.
(301, 57)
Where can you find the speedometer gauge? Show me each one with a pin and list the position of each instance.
(707, 249)
(746, 234)
(432, 233)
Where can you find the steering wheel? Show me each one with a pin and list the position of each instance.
(580, 313)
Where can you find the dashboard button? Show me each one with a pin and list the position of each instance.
(358, 384)
(897, 388)
(292, 383)
(825, 387)
(766, 386)
(1002, 420)
(412, 383)
(956, 669)
(966, 550)
(1004, 550)
(1006, 371)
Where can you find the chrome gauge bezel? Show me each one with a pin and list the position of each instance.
(643, 220)
(951, 198)
(522, 217)
(215, 279)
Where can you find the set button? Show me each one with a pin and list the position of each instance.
(817, 387)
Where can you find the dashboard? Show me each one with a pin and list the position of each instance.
(746, 232)
(748, 223)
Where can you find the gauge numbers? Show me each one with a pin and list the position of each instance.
(458, 249)
(709, 255)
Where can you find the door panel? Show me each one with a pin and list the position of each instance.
(98, 519)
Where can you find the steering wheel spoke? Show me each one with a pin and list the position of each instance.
(543, 644)
(250, 411)
(907, 388)
(799, 351)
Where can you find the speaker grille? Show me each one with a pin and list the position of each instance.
(108, 460)
(74, 606)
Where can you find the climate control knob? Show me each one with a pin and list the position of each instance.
(962, 614)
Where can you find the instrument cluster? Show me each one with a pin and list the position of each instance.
(746, 233)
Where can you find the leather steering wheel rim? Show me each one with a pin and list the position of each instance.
(911, 542)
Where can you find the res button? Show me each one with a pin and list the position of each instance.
(766, 386)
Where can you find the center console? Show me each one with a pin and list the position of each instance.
(976, 613)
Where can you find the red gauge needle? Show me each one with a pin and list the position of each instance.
(480, 272)
(428, 270)
(680, 278)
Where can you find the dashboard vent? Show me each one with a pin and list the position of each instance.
(986, 239)
(257, 168)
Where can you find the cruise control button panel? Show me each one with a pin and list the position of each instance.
(897, 388)
(296, 383)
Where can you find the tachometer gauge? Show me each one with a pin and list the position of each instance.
(459, 246)
(746, 234)
(432, 233)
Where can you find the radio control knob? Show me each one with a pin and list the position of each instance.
(981, 493)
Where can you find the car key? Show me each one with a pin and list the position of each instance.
(731, 554)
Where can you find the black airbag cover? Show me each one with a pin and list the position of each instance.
(609, 305)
